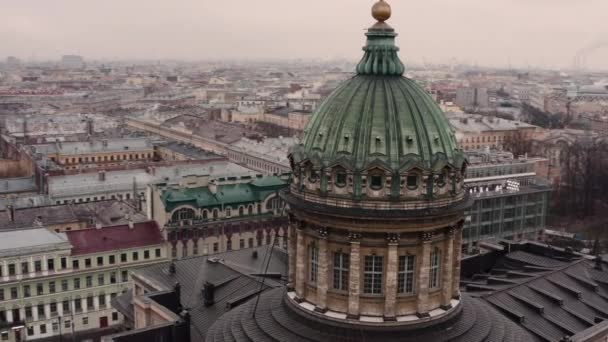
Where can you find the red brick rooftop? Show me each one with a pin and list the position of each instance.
(88, 241)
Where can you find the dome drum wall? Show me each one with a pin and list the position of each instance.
(428, 282)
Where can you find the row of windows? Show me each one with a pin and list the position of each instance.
(111, 259)
(127, 196)
(64, 285)
(373, 271)
(67, 324)
(24, 267)
(67, 306)
(74, 160)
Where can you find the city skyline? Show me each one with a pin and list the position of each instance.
(489, 33)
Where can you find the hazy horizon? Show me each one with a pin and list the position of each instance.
(520, 33)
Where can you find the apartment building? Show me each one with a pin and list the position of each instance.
(62, 283)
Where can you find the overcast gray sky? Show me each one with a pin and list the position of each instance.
(486, 32)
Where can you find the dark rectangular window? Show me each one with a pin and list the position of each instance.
(51, 264)
(11, 269)
(14, 293)
(112, 259)
(25, 267)
(26, 291)
(101, 279)
(89, 281)
(405, 274)
(124, 276)
(39, 289)
(99, 261)
(341, 267)
(64, 285)
(40, 309)
(38, 266)
(157, 251)
(87, 262)
(372, 274)
(76, 283)
(75, 264)
(123, 257)
(146, 254)
(64, 263)
(52, 287)
(135, 256)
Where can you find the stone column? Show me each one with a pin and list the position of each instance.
(354, 282)
(390, 290)
(447, 272)
(322, 283)
(423, 275)
(456, 262)
(9, 316)
(5, 270)
(300, 264)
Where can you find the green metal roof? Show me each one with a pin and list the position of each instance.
(226, 194)
(379, 117)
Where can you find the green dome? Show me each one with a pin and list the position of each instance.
(379, 117)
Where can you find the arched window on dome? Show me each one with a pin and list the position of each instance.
(241, 211)
(375, 179)
(340, 177)
(250, 210)
(205, 214)
(313, 175)
(442, 178)
(215, 214)
(412, 180)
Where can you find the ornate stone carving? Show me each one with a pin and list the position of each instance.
(393, 237)
(354, 237)
(323, 232)
(426, 236)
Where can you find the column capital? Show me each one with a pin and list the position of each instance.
(426, 236)
(323, 232)
(354, 237)
(299, 224)
(393, 238)
(451, 231)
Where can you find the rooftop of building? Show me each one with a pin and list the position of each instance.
(236, 275)
(23, 241)
(475, 123)
(108, 212)
(551, 292)
(112, 145)
(17, 185)
(189, 150)
(243, 192)
(120, 237)
(89, 183)
(275, 149)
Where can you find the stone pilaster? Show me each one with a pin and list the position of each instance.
(456, 260)
(322, 282)
(300, 264)
(354, 275)
(292, 255)
(390, 290)
(423, 275)
(447, 272)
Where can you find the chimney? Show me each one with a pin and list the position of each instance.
(172, 269)
(213, 186)
(98, 225)
(209, 293)
(11, 213)
(598, 263)
(102, 175)
(131, 225)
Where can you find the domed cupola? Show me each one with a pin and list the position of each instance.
(379, 136)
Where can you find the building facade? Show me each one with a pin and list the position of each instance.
(209, 215)
(54, 284)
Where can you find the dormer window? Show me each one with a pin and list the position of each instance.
(341, 179)
(312, 176)
(376, 182)
(412, 181)
(441, 180)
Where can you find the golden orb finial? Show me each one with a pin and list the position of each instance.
(381, 11)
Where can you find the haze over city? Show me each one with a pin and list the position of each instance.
(519, 33)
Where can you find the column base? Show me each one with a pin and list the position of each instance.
(389, 318)
(446, 307)
(298, 300)
(321, 310)
(351, 316)
(423, 314)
